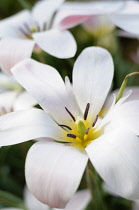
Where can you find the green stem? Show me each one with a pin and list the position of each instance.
(94, 185)
(123, 86)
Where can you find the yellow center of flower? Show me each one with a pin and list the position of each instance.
(81, 134)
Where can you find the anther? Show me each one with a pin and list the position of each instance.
(86, 111)
(65, 126)
(70, 114)
(87, 130)
(71, 136)
(95, 121)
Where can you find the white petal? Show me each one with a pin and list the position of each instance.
(60, 44)
(128, 18)
(133, 96)
(24, 101)
(80, 200)
(20, 126)
(73, 13)
(127, 114)
(129, 23)
(7, 82)
(135, 205)
(43, 11)
(53, 172)
(32, 203)
(7, 100)
(45, 84)
(92, 77)
(8, 25)
(13, 51)
(115, 156)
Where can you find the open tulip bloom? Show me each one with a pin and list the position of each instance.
(43, 29)
(70, 131)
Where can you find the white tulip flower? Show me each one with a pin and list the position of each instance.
(45, 27)
(71, 131)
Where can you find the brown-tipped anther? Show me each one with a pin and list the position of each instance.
(71, 136)
(86, 111)
(70, 114)
(87, 130)
(95, 121)
(65, 126)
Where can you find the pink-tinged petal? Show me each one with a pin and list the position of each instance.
(8, 25)
(60, 44)
(115, 156)
(43, 11)
(24, 101)
(92, 77)
(73, 13)
(21, 126)
(80, 200)
(13, 51)
(45, 84)
(53, 172)
(32, 203)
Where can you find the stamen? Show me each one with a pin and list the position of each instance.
(24, 32)
(65, 126)
(95, 121)
(37, 26)
(44, 26)
(87, 130)
(86, 111)
(27, 28)
(70, 114)
(71, 136)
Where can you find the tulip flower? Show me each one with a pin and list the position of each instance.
(41, 29)
(70, 131)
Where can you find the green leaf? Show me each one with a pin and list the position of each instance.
(9, 200)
